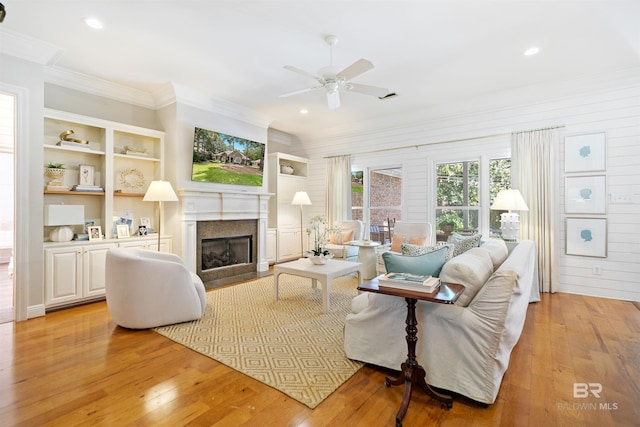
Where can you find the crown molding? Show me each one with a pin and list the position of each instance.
(99, 87)
(28, 48)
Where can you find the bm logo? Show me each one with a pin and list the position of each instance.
(583, 390)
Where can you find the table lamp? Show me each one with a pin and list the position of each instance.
(61, 217)
(301, 198)
(509, 200)
(160, 191)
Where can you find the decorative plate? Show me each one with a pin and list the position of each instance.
(132, 179)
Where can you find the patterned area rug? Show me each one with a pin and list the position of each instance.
(289, 344)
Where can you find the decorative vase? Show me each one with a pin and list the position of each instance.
(55, 176)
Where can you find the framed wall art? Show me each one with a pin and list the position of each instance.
(585, 153)
(586, 237)
(586, 194)
(87, 175)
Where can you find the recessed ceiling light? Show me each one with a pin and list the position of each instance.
(304, 111)
(532, 51)
(93, 23)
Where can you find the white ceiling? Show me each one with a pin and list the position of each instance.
(429, 52)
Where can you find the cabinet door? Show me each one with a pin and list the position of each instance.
(93, 267)
(63, 275)
(288, 245)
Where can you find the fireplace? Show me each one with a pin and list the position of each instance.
(211, 214)
(225, 251)
(225, 248)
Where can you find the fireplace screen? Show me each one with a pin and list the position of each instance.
(225, 251)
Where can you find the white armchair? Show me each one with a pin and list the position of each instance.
(419, 233)
(146, 289)
(349, 230)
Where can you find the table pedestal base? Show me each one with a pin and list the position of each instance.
(412, 373)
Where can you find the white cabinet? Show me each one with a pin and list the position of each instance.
(75, 271)
(283, 216)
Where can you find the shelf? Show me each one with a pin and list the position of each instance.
(131, 156)
(75, 193)
(75, 150)
(121, 194)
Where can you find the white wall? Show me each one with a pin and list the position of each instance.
(613, 108)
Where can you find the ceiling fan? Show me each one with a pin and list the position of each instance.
(333, 81)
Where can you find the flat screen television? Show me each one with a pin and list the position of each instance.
(226, 159)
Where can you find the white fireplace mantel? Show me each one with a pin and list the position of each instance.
(217, 205)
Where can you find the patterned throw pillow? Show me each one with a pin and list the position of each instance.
(415, 250)
(463, 243)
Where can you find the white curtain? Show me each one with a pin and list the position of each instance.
(338, 191)
(534, 166)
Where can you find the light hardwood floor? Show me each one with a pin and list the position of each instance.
(75, 367)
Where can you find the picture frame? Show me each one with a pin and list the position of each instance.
(586, 237)
(123, 231)
(586, 194)
(142, 230)
(585, 152)
(145, 221)
(95, 232)
(87, 175)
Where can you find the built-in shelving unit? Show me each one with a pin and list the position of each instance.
(124, 160)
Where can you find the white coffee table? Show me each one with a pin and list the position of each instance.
(324, 273)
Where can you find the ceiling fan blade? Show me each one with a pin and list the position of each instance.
(355, 69)
(304, 73)
(333, 99)
(380, 92)
(297, 92)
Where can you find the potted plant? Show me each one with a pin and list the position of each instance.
(318, 226)
(55, 173)
(449, 221)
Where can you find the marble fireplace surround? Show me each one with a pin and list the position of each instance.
(216, 205)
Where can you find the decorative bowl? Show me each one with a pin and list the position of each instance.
(319, 259)
(285, 169)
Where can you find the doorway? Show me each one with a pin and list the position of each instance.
(7, 206)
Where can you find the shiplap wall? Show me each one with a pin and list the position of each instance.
(417, 146)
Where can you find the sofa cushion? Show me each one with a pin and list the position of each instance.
(418, 240)
(463, 243)
(428, 264)
(414, 250)
(471, 269)
(342, 251)
(497, 249)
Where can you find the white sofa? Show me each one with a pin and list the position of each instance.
(464, 349)
(349, 230)
(405, 232)
(146, 289)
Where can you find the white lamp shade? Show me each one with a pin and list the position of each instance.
(301, 198)
(509, 200)
(160, 191)
(56, 215)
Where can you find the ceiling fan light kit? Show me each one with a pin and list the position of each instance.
(332, 81)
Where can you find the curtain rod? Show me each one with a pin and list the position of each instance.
(381, 150)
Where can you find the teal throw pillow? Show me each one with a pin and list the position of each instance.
(428, 264)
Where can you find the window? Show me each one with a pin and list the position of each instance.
(460, 205)
(357, 195)
(385, 201)
(457, 198)
(500, 179)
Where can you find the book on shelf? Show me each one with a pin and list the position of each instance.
(412, 282)
(87, 188)
(135, 153)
